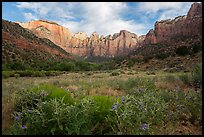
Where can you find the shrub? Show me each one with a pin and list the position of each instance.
(197, 74)
(115, 73)
(183, 50)
(18, 66)
(16, 75)
(170, 78)
(133, 85)
(5, 74)
(65, 66)
(162, 55)
(55, 92)
(150, 73)
(185, 78)
(136, 114)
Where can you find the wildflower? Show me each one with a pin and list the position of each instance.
(140, 105)
(23, 127)
(44, 103)
(144, 126)
(115, 106)
(177, 89)
(17, 118)
(45, 94)
(19, 113)
(123, 100)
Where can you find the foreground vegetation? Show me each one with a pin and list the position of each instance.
(108, 102)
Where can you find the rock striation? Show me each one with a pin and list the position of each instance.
(179, 28)
(50, 30)
(80, 44)
(120, 44)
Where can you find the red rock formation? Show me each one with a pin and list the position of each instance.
(21, 38)
(59, 35)
(166, 31)
(80, 44)
(169, 31)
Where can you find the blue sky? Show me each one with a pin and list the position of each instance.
(101, 17)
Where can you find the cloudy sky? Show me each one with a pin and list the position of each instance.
(101, 17)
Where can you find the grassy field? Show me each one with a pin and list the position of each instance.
(102, 102)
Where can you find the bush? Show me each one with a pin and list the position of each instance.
(6, 74)
(162, 55)
(197, 74)
(183, 50)
(65, 66)
(135, 114)
(16, 75)
(133, 85)
(150, 73)
(185, 78)
(115, 73)
(55, 92)
(18, 66)
(170, 78)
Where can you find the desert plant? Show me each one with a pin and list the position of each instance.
(115, 73)
(185, 78)
(197, 74)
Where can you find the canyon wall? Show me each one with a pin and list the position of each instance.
(182, 27)
(80, 44)
(165, 31)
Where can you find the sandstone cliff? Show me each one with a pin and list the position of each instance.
(182, 27)
(59, 35)
(119, 44)
(80, 44)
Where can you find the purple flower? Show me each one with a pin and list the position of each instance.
(45, 95)
(115, 106)
(140, 105)
(177, 89)
(123, 100)
(144, 126)
(23, 127)
(19, 113)
(17, 118)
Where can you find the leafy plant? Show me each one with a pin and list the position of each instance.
(197, 74)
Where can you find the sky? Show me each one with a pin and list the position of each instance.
(105, 18)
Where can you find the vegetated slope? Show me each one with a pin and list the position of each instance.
(21, 49)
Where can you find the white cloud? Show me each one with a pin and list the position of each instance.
(103, 17)
(29, 16)
(167, 9)
(46, 10)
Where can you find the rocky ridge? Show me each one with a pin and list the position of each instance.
(177, 29)
(120, 44)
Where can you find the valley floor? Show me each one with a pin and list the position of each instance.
(160, 86)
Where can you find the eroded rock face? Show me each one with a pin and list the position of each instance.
(168, 31)
(80, 35)
(59, 35)
(119, 44)
(80, 44)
